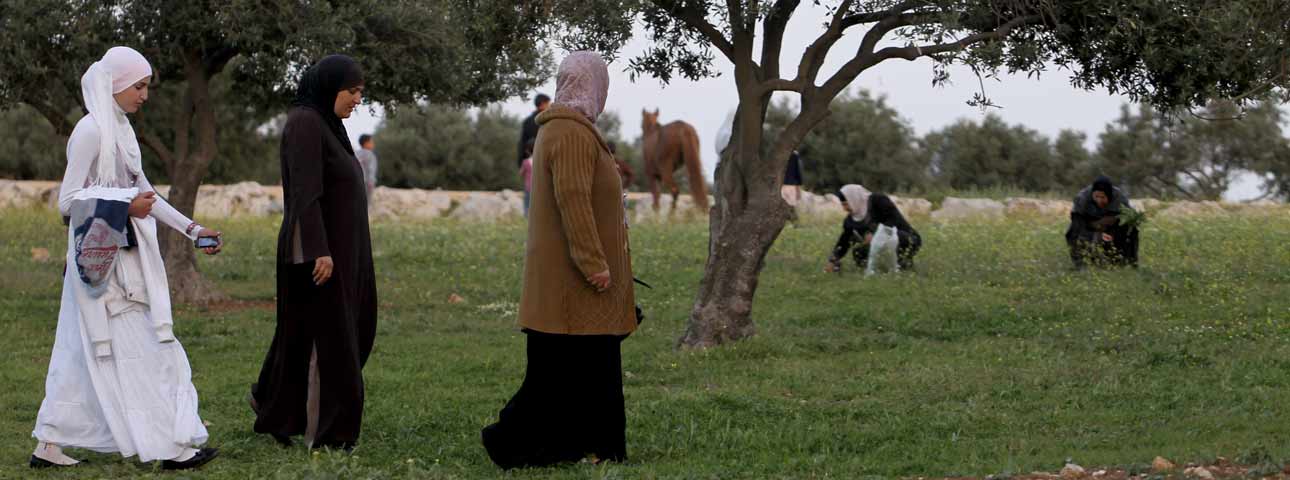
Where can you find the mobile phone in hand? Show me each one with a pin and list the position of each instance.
(206, 242)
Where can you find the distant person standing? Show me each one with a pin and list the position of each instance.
(526, 174)
(528, 132)
(792, 189)
(367, 160)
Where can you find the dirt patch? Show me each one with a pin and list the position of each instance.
(1218, 470)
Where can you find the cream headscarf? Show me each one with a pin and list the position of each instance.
(583, 83)
(119, 69)
(858, 199)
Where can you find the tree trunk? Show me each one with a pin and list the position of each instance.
(748, 217)
(186, 169)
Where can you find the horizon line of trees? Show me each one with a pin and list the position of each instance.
(864, 140)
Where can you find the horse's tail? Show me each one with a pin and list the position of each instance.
(694, 168)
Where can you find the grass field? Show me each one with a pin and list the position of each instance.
(992, 358)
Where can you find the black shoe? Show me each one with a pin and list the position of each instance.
(37, 462)
(203, 456)
(283, 440)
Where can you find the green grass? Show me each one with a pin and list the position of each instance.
(993, 358)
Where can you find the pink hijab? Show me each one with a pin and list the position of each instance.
(583, 83)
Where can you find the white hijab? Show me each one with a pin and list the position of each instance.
(583, 83)
(858, 199)
(725, 132)
(119, 69)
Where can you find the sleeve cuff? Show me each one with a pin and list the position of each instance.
(165, 333)
(192, 230)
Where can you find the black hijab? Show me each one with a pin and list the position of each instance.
(320, 85)
(1103, 184)
(1117, 200)
(883, 211)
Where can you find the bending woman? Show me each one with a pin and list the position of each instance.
(1095, 232)
(865, 213)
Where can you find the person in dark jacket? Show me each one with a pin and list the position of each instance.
(866, 212)
(529, 129)
(1096, 233)
(792, 189)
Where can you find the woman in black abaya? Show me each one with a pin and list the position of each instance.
(312, 379)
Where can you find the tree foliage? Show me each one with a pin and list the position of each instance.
(992, 154)
(29, 148)
(1195, 157)
(435, 146)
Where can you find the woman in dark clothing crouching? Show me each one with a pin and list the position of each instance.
(866, 212)
(1096, 233)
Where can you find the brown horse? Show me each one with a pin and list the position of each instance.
(665, 148)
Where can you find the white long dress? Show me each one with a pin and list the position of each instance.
(140, 400)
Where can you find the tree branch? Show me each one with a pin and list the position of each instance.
(782, 85)
(871, 17)
(895, 21)
(158, 147)
(216, 62)
(738, 24)
(773, 31)
(203, 110)
(813, 58)
(863, 61)
(914, 51)
(741, 33)
(697, 20)
(1176, 186)
(182, 123)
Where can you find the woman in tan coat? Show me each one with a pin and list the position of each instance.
(577, 303)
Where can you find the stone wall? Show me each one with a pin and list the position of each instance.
(250, 198)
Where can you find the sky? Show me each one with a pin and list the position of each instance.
(1047, 104)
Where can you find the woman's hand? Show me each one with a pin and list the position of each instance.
(322, 270)
(600, 280)
(1106, 237)
(141, 206)
(208, 233)
(868, 238)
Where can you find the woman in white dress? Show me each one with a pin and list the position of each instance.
(118, 379)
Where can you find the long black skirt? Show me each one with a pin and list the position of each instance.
(569, 406)
(313, 325)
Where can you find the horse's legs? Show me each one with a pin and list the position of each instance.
(653, 190)
(669, 181)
